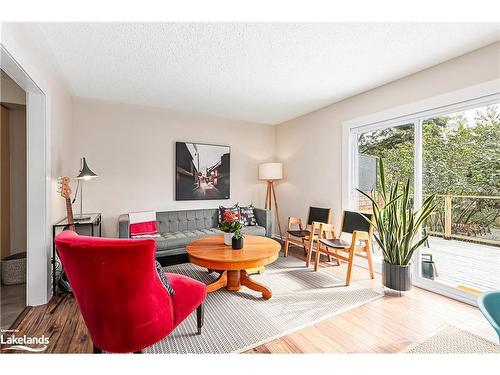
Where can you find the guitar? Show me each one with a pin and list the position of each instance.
(64, 189)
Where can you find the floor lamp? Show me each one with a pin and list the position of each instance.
(271, 172)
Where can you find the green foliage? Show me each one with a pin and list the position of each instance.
(460, 157)
(396, 223)
(238, 233)
(231, 222)
(396, 146)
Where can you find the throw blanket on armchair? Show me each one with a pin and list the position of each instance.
(143, 224)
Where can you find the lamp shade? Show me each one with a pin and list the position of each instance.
(271, 171)
(85, 173)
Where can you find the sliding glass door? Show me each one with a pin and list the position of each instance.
(396, 146)
(454, 153)
(461, 165)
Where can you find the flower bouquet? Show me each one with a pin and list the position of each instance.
(229, 225)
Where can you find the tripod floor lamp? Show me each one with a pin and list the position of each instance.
(271, 172)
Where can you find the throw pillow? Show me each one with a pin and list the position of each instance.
(222, 209)
(248, 216)
(163, 278)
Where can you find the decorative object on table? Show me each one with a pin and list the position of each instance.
(489, 304)
(237, 240)
(297, 235)
(130, 298)
(143, 224)
(14, 269)
(228, 238)
(201, 171)
(209, 252)
(85, 174)
(397, 226)
(272, 172)
(230, 224)
(429, 270)
(357, 224)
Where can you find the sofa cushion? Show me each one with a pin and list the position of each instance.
(174, 221)
(173, 240)
(255, 230)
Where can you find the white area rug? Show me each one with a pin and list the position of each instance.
(454, 340)
(238, 321)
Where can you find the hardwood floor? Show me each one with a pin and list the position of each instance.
(386, 325)
(12, 303)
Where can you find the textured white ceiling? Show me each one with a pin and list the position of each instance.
(267, 73)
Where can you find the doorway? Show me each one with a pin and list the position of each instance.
(38, 281)
(13, 199)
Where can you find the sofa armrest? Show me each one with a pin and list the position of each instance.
(123, 226)
(264, 219)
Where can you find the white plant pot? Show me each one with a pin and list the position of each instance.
(228, 238)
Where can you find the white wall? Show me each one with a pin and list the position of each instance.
(131, 148)
(311, 146)
(18, 208)
(10, 92)
(14, 98)
(20, 41)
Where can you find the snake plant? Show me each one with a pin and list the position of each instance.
(396, 223)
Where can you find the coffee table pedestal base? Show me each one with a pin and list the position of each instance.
(232, 280)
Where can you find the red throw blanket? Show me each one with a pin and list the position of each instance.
(143, 224)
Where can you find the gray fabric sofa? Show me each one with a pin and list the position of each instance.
(178, 228)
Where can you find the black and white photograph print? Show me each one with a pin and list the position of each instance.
(201, 171)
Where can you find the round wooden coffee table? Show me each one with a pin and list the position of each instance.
(212, 253)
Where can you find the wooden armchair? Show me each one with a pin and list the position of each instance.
(328, 243)
(297, 235)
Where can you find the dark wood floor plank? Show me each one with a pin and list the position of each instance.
(66, 326)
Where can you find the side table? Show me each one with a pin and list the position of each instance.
(94, 224)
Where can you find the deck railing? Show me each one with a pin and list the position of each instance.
(467, 218)
(474, 218)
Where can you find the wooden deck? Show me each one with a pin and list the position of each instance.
(466, 264)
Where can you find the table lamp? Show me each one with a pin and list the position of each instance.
(271, 172)
(85, 174)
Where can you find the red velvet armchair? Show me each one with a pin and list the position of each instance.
(124, 304)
